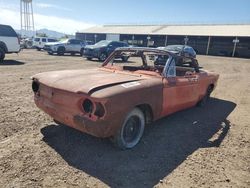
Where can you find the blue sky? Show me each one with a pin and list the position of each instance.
(70, 16)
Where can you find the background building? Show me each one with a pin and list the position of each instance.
(224, 40)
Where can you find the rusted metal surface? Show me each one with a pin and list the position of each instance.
(114, 92)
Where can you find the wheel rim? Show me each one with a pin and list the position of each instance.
(102, 57)
(131, 130)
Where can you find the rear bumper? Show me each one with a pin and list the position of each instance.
(99, 128)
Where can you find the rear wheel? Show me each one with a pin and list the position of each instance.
(206, 98)
(81, 52)
(131, 131)
(2, 54)
(38, 49)
(89, 58)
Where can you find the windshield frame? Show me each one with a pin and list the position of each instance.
(136, 50)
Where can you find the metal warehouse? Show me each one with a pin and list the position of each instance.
(224, 40)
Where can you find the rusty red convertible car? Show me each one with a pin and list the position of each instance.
(118, 99)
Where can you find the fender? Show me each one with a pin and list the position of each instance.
(3, 45)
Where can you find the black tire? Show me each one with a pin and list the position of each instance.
(206, 98)
(131, 131)
(81, 51)
(125, 58)
(2, 55)
(60, 51)
(89, 58)
(38, 49)
(50, 53)
(102, 57)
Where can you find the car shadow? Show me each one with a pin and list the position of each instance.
(164, 146)
(11, 62)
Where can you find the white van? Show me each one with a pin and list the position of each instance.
(39, 42)
(9, 41)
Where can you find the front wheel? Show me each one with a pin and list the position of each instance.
(103, 57)
(2, 54)
(81, 51)
(131, 131)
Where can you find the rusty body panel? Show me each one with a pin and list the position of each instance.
(112, 92)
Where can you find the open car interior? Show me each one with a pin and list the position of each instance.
(155, 62)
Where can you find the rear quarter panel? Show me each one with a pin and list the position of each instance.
(11, 43)
(206, 79)
(121, 100)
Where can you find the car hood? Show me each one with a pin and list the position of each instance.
(94, 47)
(84, 81)
(53, 43)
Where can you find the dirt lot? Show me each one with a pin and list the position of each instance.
(199, 147)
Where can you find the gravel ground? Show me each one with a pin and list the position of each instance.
(198, 147)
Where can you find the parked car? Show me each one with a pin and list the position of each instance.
(118, 101)
(9, 41)
(39, 42)
(184, 51)
(103, 49)
(26, 43)
(72, 46)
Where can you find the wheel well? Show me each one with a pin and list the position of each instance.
(61, 47)
(147, 111)
(210, 88)
(3, 46)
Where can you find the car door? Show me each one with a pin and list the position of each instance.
(111, 47)
(42, 43)
(77, 45)
(179, 92)
(70, 45)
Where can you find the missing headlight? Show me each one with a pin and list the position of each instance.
(87, 106)
(35, 86)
